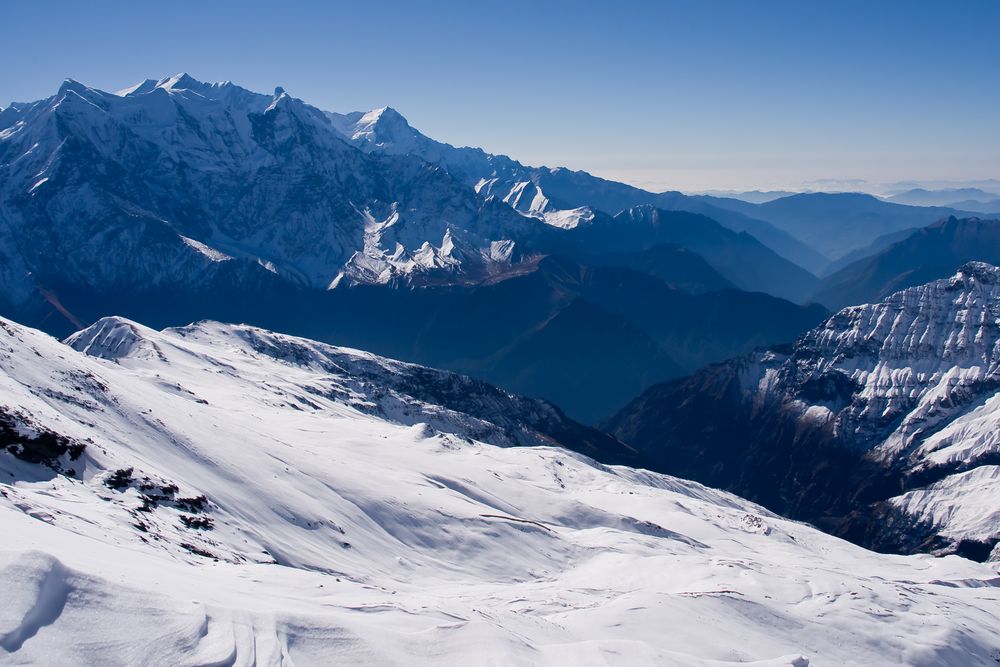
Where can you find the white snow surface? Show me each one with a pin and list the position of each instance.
(351, 526)
(963, 505)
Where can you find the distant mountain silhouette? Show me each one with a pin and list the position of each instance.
(675, 265)
(738, 256)
(837, 224)
(927, 254)
(944, 197)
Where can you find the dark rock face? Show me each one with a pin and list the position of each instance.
(706, 428)
(22, 439)
(842, 427)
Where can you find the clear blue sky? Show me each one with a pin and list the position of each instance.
(690, 94)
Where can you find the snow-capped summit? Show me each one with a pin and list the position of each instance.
(243, 497)
(140, 88)
(176, 187)
(184, 81)
(115, 338)
(384, 129)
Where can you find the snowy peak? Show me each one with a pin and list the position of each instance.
(184, 88)
(381, 130)
(140, 88)
(498, 177)
(176, 173)
(181, 81)
(113, 338)
(184, 82)
(949, 321)
(383, 125)
(72, 85)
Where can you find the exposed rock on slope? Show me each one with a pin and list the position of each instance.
(881, 424)
(561, 197)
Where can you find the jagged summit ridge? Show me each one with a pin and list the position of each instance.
(181, 82)
(953, 320)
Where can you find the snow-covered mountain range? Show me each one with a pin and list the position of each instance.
(881, 424)
(561, 197)
(814, 230)
(220, 494)
(171, 180)
(187, 184)
(224, 494)
(386, 131)
(175, 200)
(175, 187)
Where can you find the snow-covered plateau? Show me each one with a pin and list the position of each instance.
(223, 495)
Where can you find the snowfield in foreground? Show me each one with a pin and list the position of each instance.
(232, 496)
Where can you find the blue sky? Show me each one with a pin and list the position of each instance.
(689, 95)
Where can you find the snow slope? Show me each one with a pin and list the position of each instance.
(250, 498)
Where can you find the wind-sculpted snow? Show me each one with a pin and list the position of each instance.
(894, 403)
(243, 497)
(400, 392)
